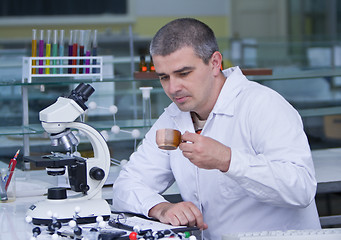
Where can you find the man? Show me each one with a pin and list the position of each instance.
(250, 168)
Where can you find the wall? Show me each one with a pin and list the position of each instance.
(259, 18)
(153, 14)
(146, 17)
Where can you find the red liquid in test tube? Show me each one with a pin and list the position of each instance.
(74, 51)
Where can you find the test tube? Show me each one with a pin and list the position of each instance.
(55, 50)
(87, 49)
(74, 50)
(94, 50)
(61, 49)
(48, 50)
(81, 49)
(70, 50)
(34, 48)
(41, 50)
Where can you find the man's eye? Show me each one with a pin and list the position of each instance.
(184, 74)
(163, 78)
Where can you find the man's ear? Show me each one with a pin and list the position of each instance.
(216, 60)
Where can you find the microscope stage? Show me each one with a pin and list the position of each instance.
(53, 160)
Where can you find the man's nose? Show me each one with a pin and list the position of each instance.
(174, 85)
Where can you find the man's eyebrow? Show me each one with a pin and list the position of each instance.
(183, 69)
(177, 71)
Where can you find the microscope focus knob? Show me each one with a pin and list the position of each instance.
(97, 173)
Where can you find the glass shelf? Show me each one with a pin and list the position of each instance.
(69, 80)
(300, 74)
(17, 130)
(315, 112)
(99, 125)
(288, 75)
(124, 124)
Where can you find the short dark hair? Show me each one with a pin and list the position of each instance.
(185, 32)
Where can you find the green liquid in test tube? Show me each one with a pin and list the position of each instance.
(61, 50)
(55, 50)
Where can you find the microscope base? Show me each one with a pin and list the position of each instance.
(65, 210)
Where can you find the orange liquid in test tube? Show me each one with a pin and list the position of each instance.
(34, 49)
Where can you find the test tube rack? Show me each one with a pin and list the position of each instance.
(96, 62)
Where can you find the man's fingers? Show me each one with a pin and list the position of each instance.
(193, 215)
(174, 220)
(190, 218)
(183, 213)
(189, 137)
(199, 220)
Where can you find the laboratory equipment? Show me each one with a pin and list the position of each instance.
(86, 175)
(75, 50)
(70, 50)
(61, 49)
(41, 50)
(94, 50)
(48, 51)
(81, 49)
(146, 106)
(307, 234)
(34, 48)
(55, 49)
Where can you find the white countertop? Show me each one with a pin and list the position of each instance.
(31, 185)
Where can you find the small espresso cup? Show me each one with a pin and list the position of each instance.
(168, 139)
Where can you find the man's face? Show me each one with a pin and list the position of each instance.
(186, 80)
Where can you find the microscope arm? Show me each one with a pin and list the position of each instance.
(101, 157)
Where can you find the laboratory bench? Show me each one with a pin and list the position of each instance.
(31, 187)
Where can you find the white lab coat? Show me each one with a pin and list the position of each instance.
(271, 181)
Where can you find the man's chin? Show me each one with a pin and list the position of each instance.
(183, 107)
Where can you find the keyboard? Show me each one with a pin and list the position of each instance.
(318, 234)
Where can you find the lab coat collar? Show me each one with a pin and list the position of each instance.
(233, 86)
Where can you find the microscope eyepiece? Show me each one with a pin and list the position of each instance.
(81, 94)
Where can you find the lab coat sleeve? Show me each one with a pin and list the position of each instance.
(143, 178)
(280, 169)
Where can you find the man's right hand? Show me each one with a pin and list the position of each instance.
(178, 214)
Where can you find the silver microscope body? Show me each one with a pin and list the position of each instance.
(86, 175)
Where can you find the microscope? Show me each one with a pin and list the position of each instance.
(86, 175)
